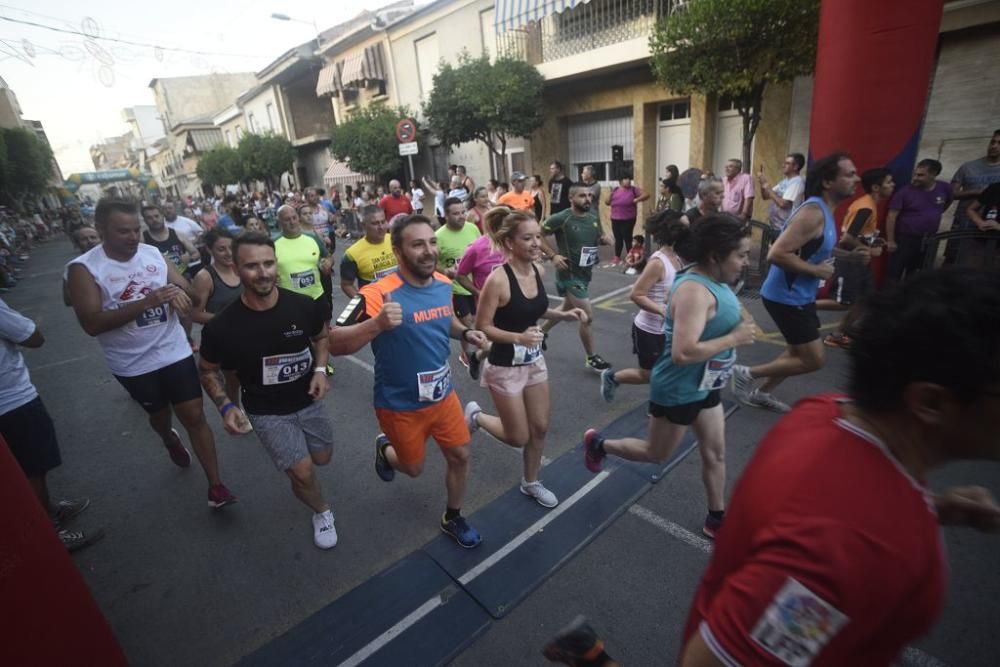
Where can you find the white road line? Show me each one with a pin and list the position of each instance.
(354, 360)
(533, 529)
(58, 363)
(912, 657)
(671, 528)
(611, 294)
(373, 646)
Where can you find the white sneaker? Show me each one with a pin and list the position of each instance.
(630, 271)
(762, 399)
(324, 534)
(472, 409)
(743, 384)
(544, 497)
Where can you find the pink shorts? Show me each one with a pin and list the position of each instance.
(511, 380)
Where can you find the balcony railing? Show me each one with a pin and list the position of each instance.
(589, 26)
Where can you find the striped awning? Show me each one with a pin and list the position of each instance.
(367, 65)
(340, 173)
(328, 82)
(515, 13)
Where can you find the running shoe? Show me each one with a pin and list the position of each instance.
(219, 496)
(463, 358)
(382, 466)
(711, 526)
(615, 262)
(762, 399)
(843, 341)
(596, 363)
(472, 410)
(178, 452)
(74, 540)
(67, 509)
(630, 271)
(742, 383)
(593, 451)
(324, 533)
(460, 531)
(608, 384)
(475, 365)
(536, 490)
(576, 644)
(545, 342)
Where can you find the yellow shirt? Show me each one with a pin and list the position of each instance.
(298, 265)
(871, 224)
(367, 262)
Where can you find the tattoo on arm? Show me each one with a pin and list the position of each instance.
(214, 383)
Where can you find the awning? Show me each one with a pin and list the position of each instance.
(515, 13)
(202, 140)
(328, 82)
(367, 65)
(340, 173)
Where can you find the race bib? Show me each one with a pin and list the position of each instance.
(717, 373)
(152, 317)
(526, 355)
(797, 625)
(434, 385)
(303, 279)
(588, 256)
(379, 275)
(284, 368)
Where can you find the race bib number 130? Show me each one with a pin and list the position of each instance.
(152, 317)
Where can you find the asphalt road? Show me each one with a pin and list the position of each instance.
(181, 584)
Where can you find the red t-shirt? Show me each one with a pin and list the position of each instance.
(395, 205)
(830, 555)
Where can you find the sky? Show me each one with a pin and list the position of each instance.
(77, 85)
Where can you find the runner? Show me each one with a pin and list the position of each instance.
(511, 304)
(84, 238)
(800, 258)
(368, 259)
(408, 319)
(276, 340)
(649, 293)
(832, 553)
(188, 230)
(518, 198)
(703, 329)
(577, 234)
(321, 221)
(480, 205)
(453, 238)
(302, 258)
(174, 249)
(27, 428)
(126, 295)
(215, 288)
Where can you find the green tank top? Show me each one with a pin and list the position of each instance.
(673, 384)
(298, 265)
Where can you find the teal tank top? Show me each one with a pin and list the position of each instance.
(673, 384)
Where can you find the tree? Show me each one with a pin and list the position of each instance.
(220, 166)
(265, 156)
(735, 48)
(488, 102)
(367, 141)
(28, 165)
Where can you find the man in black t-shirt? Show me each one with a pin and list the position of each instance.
(276, 341)
(559, 186)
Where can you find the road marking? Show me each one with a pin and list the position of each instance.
(914, 657)
(354, 360)
(613, 304)
(611, 294)
(373, 646)
(58, 363)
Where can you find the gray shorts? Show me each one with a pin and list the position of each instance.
(290, 438)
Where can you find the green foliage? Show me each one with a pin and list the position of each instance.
(735, 48)
(367, 140)
(220, 166)
(27, 167)
(482, 101)
(265, 156)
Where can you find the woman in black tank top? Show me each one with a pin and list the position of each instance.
(510, 305)
(217, 287)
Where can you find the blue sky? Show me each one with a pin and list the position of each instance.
(77, 86)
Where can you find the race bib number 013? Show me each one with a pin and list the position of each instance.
(434, 385)
(152, 317)
(284, 368)
(588, 256)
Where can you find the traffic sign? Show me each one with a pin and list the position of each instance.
(409, 148)
(406, 131)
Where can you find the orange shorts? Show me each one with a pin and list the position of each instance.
(408, 431)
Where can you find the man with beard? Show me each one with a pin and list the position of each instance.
(578, 235)
(407, 316)
(276, 340)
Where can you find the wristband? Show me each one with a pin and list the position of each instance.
(319, 370)
(226, 408)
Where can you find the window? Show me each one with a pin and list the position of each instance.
(675, 111)
(427, 63)
(253, 127)
(239, 132)
(591, 137)
(270, 116)
(229, 138)
(350, 96)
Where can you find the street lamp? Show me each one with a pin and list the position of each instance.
(286, 17)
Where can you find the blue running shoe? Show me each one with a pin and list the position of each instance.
(460, 531)
(608, 384)
(382, 466)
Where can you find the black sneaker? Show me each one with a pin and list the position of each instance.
(475, 364)
(382, 466)
(545, 342)
(67, 509)
(596, 363)
(576, 644)
(74, 540)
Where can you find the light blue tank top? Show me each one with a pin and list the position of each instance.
(673, 384)
(796, 289)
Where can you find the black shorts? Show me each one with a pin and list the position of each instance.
(851, 282)
(798, 324)
(648, 347)
(170, 385)
(31, 436)
(463, 304)
(685, 414)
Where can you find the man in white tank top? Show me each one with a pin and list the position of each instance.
(129, 298)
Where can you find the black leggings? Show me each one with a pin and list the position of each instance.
(622, 229)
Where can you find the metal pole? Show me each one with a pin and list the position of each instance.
(413, 176)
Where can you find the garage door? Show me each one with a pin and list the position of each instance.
(728, 137)
(673, 140)
(591, 136)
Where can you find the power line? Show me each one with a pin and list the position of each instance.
(124, 41)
